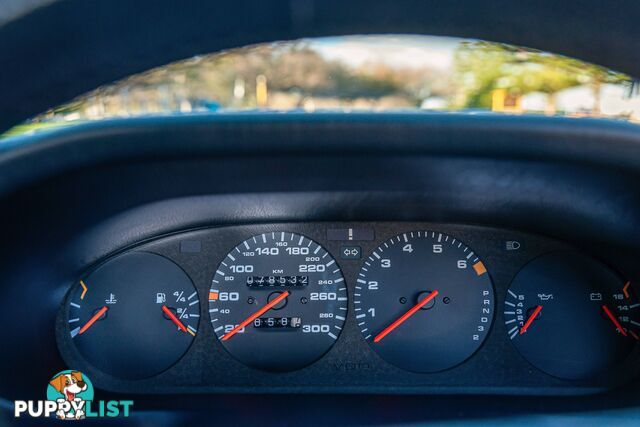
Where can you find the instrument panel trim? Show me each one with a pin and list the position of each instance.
(350, 366)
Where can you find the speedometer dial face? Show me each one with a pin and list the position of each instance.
(424, 301)
(278, 301)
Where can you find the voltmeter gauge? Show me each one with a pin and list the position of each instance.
(134, 316)
(278, 301)
(570, 316)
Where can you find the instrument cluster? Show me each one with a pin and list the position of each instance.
(378, 306)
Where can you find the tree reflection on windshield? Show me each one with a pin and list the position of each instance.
(376, 73)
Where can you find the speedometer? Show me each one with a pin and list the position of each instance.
(278, 301)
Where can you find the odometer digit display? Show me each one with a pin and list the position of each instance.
(278, 301)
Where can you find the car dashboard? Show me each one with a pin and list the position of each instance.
(346, 254)
(141, 319)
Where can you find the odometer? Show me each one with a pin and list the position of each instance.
(424, 301)
(278, 301)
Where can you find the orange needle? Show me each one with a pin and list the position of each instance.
(625, 290)
(93, 319)
(400, 320)
(614, 320)
(173, 318)
(255, 315)
(530, 320)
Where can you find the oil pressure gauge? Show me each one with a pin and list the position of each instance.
(571, 316)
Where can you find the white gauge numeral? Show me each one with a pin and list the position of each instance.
(323, 296)
(312, 268)
(228, 296)
(296, 250)
(315, 329)
(266, 251)
(242, 268)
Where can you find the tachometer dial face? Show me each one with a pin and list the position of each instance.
(278, 301)
(424, 301)
(571, 316)
(134, 316)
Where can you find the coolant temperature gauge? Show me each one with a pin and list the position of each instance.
(571, 316)
(134, 316)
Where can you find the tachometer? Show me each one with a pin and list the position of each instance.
(424, 301)
(278, 301)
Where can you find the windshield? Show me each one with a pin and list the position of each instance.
(371, 73)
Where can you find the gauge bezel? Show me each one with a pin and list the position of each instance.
(149, 257)
(595, 267)
(244, 346)
(362, 295)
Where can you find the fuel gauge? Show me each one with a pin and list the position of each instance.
(569, 316)
(134, 316)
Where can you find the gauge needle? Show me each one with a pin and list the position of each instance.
(93, 319)
(400, 320)
(255, 315)
(173, 318)
(614, 320)
(530, 320)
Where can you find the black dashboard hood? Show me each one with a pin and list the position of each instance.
(54, 50)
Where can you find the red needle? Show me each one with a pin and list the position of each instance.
(400, 320)
(530, 320)
(255, 315)
(93, 319)
(173, 318)
(614, 320)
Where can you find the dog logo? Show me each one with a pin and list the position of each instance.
(71, 390)
(70, 397)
